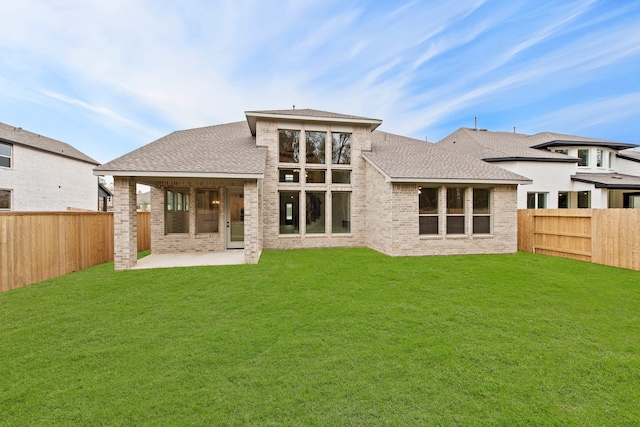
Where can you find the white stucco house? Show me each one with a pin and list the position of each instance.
(42, 174)
(307, 179)
(567, 171)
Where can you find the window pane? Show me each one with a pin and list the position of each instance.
(5, 199)
(599, 161)
(531, 200)
(542, 200)
(428, 200)
(289, 175)
(584, 199)
(610, 160)
(341, 148)
(481, 224)
(170, 204)
(5, 150)
(315, 212)
(340, 177)
(179, 202)
(428, 225)
(289, 146)
(315, 176)
(5, 162)
(563, 151)
(584, 157)
(481, 201)
(207, 211)
(289, 212)
(563, 200)
(455, 201)
(316, 142)
(455, 225)
(341, 212)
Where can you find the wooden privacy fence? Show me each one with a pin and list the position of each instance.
(602, 236)
(36, 246)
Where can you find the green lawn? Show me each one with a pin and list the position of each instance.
(327, 337)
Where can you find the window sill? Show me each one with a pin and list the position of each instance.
(457, 236)
(482, 236)
(431, 237)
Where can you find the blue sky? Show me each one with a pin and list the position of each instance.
(110, 76)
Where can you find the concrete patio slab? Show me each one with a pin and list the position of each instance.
(191, 259)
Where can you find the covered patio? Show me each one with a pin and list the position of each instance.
(193, 259)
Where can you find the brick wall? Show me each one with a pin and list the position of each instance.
(125, 223)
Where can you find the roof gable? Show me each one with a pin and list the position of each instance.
(25, 138)
(308, 115)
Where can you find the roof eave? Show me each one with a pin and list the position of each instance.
(460, 181)
(631, 159)
(253, 116)
(160, 174)
(568, 143)
(530, 159)
(607, 186)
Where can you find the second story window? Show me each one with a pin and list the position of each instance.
(583, 155)
(5, 155)
(340, 148)
(316, 142)
(289, 146)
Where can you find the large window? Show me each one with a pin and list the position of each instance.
(315, 176)
(289, 212)
(584, 199)
(481, 211)
(5, 155)
(341, 212)
(340, 148)
(428, 209)
(536, 200)
(289, 146)
(177, 211)
(315, 212)
(5, 200)
(583, 155)
(207, 211)
(455, 210)
(339, 176)
(316, 143)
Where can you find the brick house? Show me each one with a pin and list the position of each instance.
(38, 173)
(308, 179)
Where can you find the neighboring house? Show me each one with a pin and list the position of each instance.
(143, 201)
(567, 171)
(307, 179)
(105, 199)
(42, 174)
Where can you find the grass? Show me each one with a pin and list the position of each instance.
(326, 337)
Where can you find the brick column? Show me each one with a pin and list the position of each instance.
(125, 223)
(252, 239)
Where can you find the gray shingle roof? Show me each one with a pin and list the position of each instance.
(407, 159)
(551, 139)
(227, 149)
(629, 154)
(609, 180)
(25, 138)
(499, 146)
(308, 116)
(306, 112)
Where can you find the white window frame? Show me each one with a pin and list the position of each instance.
(10, 156)
(537, 199)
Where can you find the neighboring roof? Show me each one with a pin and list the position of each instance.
(19, 136)
(499, 146)
(222, 151)
(629, 154)
(104, 191)
(308, 115)
(551, 139)
(613, 181)
(402, 159)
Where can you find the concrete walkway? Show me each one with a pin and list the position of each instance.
(191, 259)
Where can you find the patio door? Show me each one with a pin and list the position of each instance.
(235, 218)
